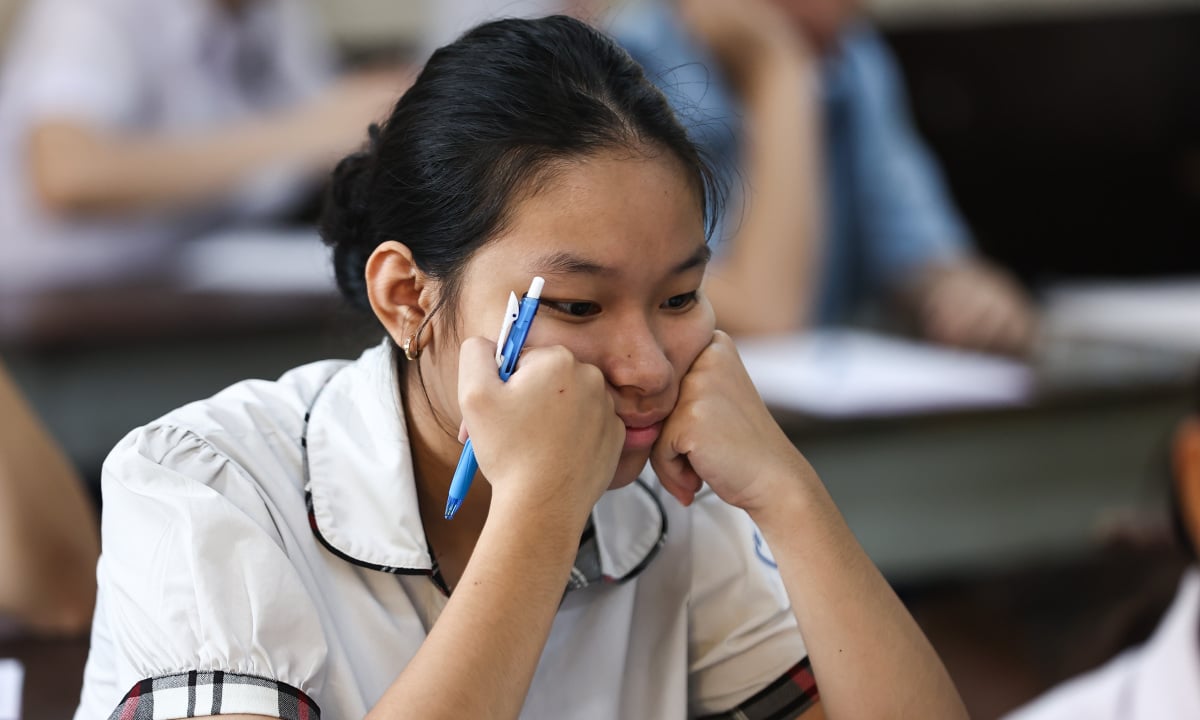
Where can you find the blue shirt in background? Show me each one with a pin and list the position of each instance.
(888, 213)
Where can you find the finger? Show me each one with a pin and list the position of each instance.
(674, 471)
(964, 322)
(462, 432)
(677, 478)
(476, 367)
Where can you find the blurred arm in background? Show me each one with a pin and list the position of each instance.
(915, 248)
(77, 167)
(130, 126)
(762, 282)
(120, 120)
(49, 540)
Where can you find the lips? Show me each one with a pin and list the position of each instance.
(642, 431)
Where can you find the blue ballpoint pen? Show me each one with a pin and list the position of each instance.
(512, 340)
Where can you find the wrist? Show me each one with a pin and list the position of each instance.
(549, 518)
(793, 490)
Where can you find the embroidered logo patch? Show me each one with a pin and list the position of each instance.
(763, 552)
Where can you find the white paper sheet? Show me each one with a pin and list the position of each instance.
(846, 373)
(1158, 314)
(257, 261)
(12, 678)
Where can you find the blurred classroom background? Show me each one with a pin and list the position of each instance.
(1019, 505)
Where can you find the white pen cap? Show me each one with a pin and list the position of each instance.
(535, 288)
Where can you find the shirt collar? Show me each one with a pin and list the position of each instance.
(362, 499)
(1166, 678)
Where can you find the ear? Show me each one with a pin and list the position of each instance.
(1186, 466)
(400, 293)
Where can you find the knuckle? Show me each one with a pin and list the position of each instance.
(591, 375)
(559, 354)
(471, 399)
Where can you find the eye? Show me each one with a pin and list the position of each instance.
(574, 308)
(680, 302)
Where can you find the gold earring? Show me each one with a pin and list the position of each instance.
(408, 347)
(412, 348)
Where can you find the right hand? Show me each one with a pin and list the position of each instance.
(550, 437)
(748, 37)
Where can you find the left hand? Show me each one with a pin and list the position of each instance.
(976, 306)
(722, 434)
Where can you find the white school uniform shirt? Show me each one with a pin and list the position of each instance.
(263, 553)
(1157, 681)
(158, 67)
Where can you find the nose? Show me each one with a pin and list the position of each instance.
(636, 361)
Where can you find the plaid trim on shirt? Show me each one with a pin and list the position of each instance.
(200, 694)
(788, 697)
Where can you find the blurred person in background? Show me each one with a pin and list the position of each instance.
(127, 126)
(1160, 679)
(844, 203)
(49, 539)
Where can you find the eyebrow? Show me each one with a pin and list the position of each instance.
(565, 263)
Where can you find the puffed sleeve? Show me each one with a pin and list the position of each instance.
(200, 608)
(748, 659)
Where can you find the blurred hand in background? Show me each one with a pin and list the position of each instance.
(974, 305)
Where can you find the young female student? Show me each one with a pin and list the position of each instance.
(280, 549)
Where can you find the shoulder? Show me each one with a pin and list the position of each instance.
(724, 543)
(250, 432)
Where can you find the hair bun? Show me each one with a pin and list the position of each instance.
(346, 222)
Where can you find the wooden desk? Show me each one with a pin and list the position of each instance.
(96, 364)
(939, 495)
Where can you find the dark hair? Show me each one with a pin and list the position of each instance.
(488, 121)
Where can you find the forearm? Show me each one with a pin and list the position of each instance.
(79, 170)
(48, 537)
(870, 657)
(764, 283)
(481, 655)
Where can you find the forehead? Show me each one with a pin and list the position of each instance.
(631, 212)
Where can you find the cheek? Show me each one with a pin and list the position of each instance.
(689, 338)
(439, 374)
(587, 343)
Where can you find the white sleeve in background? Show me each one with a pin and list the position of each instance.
(74, 60)
(743, 633)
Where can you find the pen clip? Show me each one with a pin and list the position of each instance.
(510, 316)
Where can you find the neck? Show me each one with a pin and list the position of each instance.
(435, 452)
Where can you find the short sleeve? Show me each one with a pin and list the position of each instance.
(200, 609)
(743, 634)
(76, 63)
(908, 218)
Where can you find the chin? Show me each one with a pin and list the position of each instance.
(629, 467)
